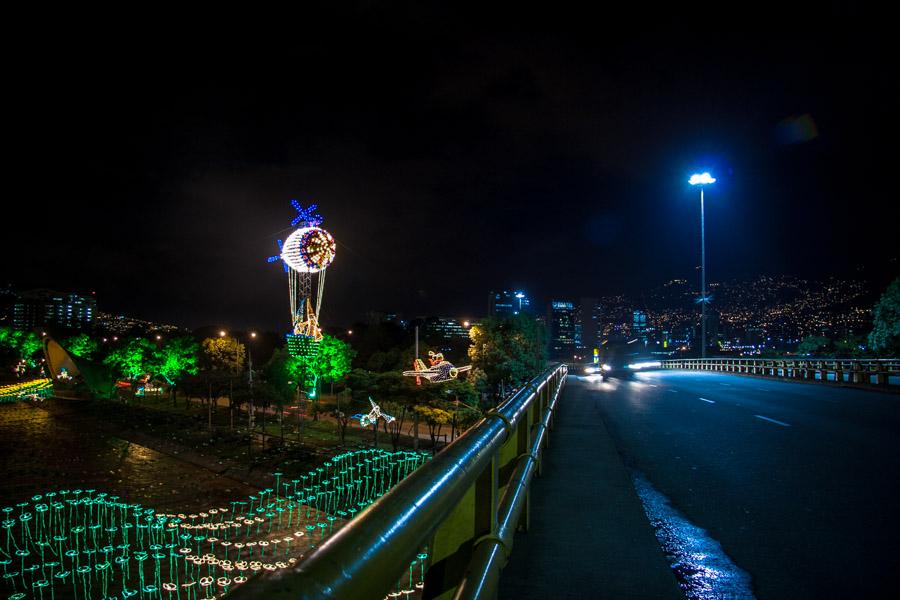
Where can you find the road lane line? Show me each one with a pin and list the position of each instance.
(710, 401)
(674, 391)
(782, 423)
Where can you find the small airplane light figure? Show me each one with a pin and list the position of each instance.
(440, 370)
(372, 417)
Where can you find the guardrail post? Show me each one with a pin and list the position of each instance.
(525, 440)
(473, 518)
(856, 376)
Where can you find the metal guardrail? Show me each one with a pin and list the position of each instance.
(465, 505)
(866, 372)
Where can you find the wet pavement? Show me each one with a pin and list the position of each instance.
(703, 569)
(588, 534)
(42, 451)
(792, 484)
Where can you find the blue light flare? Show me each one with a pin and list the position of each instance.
(701, 179)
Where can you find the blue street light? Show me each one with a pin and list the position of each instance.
(702, 179)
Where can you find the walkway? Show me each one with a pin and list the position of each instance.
(589, 536)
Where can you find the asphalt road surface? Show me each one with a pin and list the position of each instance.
(798, 482)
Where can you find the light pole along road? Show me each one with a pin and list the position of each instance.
(702, 179)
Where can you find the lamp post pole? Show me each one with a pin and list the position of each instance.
(702, 179)
(250, 411)
(702, 278)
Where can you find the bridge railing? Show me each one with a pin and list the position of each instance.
(877, 372)
(464, 506)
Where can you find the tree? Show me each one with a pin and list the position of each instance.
(461, 398)
(397, 395)
(81, 345)
(282, 379)
(813, 345)
(333, 359)
(132, 359)
(509, 351)
(176, 358)
(436, 418)
(851, 346)
(23, 343)
(223, 354)
(885, 336)
(345, 407)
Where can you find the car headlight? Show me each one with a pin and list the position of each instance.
(644, 365)
(606, 367)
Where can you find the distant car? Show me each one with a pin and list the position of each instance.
(622, 358)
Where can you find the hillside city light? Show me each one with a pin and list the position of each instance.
(702, 179)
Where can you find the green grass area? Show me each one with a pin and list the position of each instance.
(187, 425)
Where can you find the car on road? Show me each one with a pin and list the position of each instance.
(622, 358)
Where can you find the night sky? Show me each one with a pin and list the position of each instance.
(446, 165)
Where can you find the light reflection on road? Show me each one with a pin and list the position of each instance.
(701, 566)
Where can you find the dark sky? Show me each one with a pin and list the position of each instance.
(446, 165)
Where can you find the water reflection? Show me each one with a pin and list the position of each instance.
(701, 566)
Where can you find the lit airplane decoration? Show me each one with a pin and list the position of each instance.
(439, 371)
(372, 417)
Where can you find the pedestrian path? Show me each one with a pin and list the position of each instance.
(589, 536)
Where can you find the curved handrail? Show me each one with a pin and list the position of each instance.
(365, 558)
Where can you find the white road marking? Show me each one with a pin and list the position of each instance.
(674, 391)
(782, 423)
(728, 384)
(710, 401)
(653, 385)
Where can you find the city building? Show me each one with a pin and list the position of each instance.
(561, 318)
(639, 324)
(8, 299)
(446, 329)
(506, 304)
(47, 308)
(590, 321)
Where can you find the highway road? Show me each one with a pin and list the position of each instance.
(797, 482)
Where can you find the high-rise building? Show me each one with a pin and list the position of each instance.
(562, 328)
(506, 304)
(446, 329)
(42, 308)
(639, 325)
(589, 317)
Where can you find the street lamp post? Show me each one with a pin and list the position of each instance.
(250, 411)
(702, 179)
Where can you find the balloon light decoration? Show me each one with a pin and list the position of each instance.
(305, 254)
(34, 388)
(88, 544)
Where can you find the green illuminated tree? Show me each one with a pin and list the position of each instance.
(24, 343)
(333, 359)
(133, 359)
(176, 358)
(885, 336)
(81, 345)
